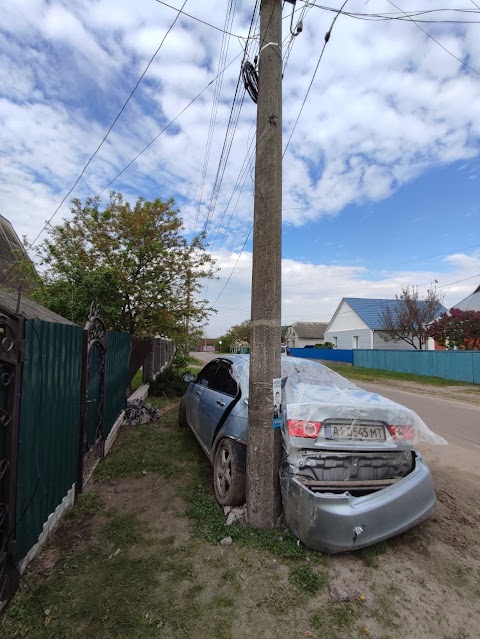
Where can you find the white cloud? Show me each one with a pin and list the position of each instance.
(387, 104)
(312, 292)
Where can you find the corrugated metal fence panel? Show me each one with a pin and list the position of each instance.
(94, 360)
(476, 369)
(462, 366)
(328, 354)
(49, 425)
(119, 346)
(3, 406)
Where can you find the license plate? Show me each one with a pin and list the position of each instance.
(343, 431)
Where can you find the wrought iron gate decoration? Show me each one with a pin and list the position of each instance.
(93, 381)
(11, 357)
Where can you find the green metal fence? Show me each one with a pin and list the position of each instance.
(119, 346)
(51, 416)
(462, 366)
(49, 425)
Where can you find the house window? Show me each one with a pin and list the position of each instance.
(355, 341)
(334, 341)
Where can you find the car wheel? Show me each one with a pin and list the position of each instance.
(182, 414)
(229, 473)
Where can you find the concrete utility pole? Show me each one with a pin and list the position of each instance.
(263, 452)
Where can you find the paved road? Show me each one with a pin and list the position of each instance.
(458, 422)
(204, 357)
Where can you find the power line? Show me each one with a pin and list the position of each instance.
(400, 15)
(435, 40)
(326, 40)
(168, 125)
(371, 305)
(229, 134)
(236, 264)
(465, 279)
(216, 99)
(420, 259)
(189, 15)
(249, 157)
(293, 36)
(101, 143)
(246, 165)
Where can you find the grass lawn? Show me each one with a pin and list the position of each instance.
(139, 557)
(373, 375)
(137, 380)
(193, 361)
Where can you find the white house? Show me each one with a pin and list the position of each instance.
(301, 334)
(356, 324)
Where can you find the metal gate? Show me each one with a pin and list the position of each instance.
(93, 396)
(11, 357)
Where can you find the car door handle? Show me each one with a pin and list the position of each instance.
(220, 403)
(198, 393)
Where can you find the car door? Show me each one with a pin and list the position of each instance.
(215, 399)
(203, 381)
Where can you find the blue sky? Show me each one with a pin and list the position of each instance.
(382, 173)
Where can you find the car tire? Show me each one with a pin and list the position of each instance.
(229, 473)
(182, 414)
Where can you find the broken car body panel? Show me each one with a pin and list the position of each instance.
(334, 523)
(350, 475)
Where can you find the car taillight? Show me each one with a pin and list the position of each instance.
(402, 433)
(302, 428)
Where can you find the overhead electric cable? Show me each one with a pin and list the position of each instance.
(169, 125)
(236, 264)
(326, 40)
(208, 24)
(229, 136)
(437, 41)
(100, 145)
(216, 99)
(399, 16)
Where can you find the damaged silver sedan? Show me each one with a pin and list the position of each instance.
(350, 475)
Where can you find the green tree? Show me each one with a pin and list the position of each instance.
(132, 260)
(238, 335)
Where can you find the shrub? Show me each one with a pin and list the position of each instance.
(169, 382)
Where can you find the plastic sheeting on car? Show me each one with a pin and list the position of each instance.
(346, 415)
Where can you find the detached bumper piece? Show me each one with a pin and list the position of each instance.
(333, 522)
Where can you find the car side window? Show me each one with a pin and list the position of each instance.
(206, 376)
(224, 382)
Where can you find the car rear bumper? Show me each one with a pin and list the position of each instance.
(335, 523)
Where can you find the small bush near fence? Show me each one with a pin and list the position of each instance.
(169, 383)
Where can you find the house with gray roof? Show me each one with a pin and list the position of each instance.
(301, 334)
(11, 249)
(28, 308)
(470, 303)
(357, 324)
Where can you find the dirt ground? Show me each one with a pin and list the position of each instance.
(422, 584)
(425, 583)
(468, 394)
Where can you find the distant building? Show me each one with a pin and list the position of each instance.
(11, 248)
(206, 345)
(357, 324)
(301, 334)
